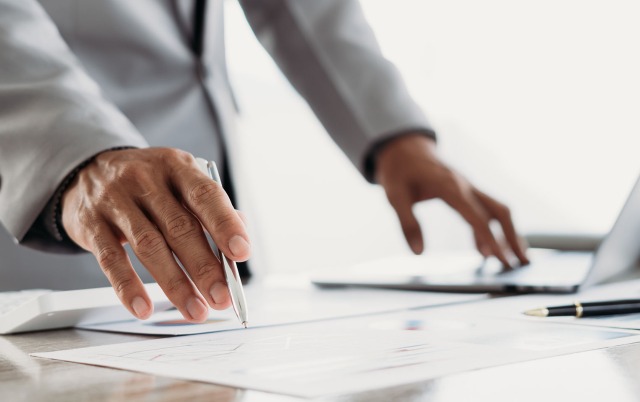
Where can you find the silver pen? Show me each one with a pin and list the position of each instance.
(230, 270)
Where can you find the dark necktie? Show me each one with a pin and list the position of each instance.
(197, 46)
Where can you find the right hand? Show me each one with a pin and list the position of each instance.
(158, 201)
(411, 171)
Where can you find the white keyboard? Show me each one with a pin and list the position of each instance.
(40, 309)
(10, 301)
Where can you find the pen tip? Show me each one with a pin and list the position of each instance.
(539, 312)
(244, 323)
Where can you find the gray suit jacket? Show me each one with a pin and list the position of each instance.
(81, 76)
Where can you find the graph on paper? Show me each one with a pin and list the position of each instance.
(329, 358)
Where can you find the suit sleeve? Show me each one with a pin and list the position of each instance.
(329, 53)
(52, 115)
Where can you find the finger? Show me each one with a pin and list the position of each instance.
(470, 208)
(242, 216)
(402, 203)
(184, 235)
(502, 213)
(211, 205)
(115, 264)
(149, 245)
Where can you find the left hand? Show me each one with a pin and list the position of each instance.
(410, 171)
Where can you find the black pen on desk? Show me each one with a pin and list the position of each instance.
(589, 309)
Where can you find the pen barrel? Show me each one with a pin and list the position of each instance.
(594, 310)
(231, 274)
(562, 311)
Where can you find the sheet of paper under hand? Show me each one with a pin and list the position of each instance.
(273, 305)
(348, 355)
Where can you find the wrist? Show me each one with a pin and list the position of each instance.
(401, 150)
(57, 227)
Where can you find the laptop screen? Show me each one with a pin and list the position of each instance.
(619, 251)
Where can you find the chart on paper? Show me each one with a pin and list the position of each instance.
(311, 360)
(296, 355)
(300, 363)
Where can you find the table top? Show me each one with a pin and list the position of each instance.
(608, 374)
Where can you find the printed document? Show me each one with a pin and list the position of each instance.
(349, 355)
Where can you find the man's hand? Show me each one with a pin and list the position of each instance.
(158, 201)
(410, 171)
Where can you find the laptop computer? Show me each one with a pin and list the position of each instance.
(550, 271)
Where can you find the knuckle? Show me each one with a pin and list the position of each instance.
(132, 173)
(225, 223)
(182, 226)
(174, 155)
(177, 153)
(148, 243)
(203, 269)
(121, 283)
(108, 258)
(203, 193)
(176, 283)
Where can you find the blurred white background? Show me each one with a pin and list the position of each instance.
(536, 102)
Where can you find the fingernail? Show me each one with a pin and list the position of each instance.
(239, 246)
(416, 246)
(219, 293)
(196, 308)
(140, 307)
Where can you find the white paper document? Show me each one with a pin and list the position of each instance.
(348, 355)
(273, 305)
